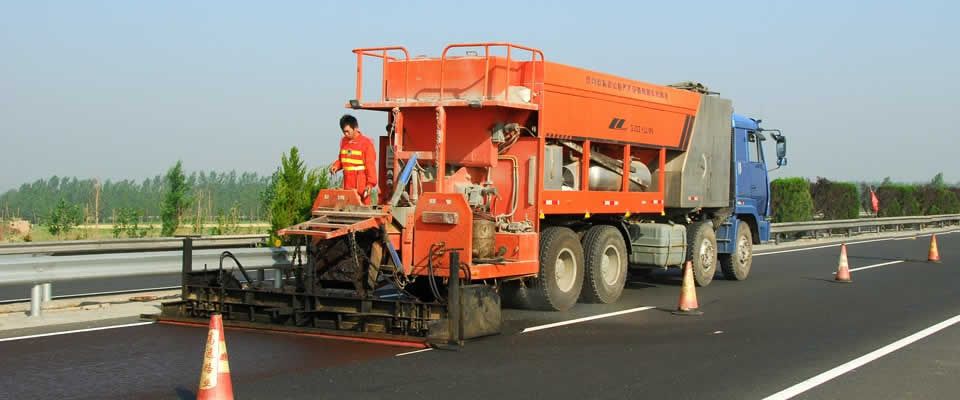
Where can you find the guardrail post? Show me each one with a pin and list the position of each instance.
(36, 300)
(277, 278)
(187, 265)
(47, 292)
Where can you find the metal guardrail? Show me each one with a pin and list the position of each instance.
(778, 229)
(42, 270)
(19, 270)
(130, 245)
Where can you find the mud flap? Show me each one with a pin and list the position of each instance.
(480, 315)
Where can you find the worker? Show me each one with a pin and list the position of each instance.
(357, 159)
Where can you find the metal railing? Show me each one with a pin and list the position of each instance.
(848, 226)
(131, 245)
(42, 270)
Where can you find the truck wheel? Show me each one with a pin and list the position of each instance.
(557, 286)
(606, 260)
(736, 266)
(702, 251)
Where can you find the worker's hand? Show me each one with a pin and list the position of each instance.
(333, 169)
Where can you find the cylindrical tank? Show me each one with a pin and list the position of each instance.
(602, 179)
(483, 237)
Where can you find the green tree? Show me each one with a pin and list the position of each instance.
(128, 221)
(63, 218)
(791, 200)
(292, 191)
(937, 181)
(835, 200)
(175, 200)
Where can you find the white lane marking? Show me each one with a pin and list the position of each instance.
(876, 265)
(584, 319)
(795, 250)
(413, 352)
(860, 361)
(848, 244)
(77, 331)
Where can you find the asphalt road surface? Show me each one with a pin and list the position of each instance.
(788, 330)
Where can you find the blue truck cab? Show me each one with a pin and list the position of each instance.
(749, 222)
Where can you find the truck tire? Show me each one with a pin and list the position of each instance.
(736, 266)
(702, 251)
(605, 254)
(557, 286)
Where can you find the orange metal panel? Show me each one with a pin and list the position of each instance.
(509, 269)
(336, 198)
(583, 103)
(387, 105)
(518, 246)
(463, 78)
(487, 271)
(442, 236)
(575, 202)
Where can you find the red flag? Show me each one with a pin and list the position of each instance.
(874, 201)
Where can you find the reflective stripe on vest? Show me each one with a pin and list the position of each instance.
(352, 157)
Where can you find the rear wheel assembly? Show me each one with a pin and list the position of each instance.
(557, 286)
(605, 254)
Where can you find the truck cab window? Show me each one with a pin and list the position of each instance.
(753, 148)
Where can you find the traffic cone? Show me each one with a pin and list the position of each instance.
(934, 254)
(843, 271)
(688, 294)
(215, 376)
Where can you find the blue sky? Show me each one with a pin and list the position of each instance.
(121, 90)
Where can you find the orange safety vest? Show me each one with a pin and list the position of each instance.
(357, 159)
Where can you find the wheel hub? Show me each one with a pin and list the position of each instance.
(743, 250)
(706, 255)
(610, 265)
(566, 270)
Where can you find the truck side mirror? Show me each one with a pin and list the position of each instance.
(781, 151)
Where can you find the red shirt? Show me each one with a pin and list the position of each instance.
(358, 160)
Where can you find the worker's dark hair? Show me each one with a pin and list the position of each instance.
(348, 120)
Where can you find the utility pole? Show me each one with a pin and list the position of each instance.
(96, 202)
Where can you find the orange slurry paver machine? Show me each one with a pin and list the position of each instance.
(537, 183)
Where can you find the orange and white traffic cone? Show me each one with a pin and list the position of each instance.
(215, 381)
(843, 270)
(688, 294)
(934, 255)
